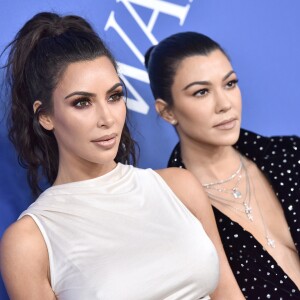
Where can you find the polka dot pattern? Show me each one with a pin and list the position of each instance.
(257, 273)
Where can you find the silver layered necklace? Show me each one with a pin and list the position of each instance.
(232, 197)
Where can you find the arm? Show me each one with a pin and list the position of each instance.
(24, 262)
(190, 192)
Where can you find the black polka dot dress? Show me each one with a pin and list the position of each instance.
(257, 273)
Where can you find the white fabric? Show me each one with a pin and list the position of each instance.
(124, 235)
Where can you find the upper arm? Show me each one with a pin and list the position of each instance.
(24, 262)
(189, 190)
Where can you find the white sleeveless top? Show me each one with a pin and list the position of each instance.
(125, 236)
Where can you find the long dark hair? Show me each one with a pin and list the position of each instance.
(38, 56)
(163, 59)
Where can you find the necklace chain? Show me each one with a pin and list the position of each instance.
(270, 241)
(231, 177)
(215, 191)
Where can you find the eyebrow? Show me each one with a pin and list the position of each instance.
(87, 94)
(206, 82)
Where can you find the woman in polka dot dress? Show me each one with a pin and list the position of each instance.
(252, 181)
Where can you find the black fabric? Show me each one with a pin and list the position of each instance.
(257, 273)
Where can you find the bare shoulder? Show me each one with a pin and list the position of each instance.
(21, 236)
(22, 252)
(186, 187)
(177, 177)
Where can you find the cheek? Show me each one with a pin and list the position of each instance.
(67, 125)
(238, 99)
(195, 112)
(120, 113)
(68, 131)
(239, 107)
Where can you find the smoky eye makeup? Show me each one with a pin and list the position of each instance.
(81, 102)
(116, 95)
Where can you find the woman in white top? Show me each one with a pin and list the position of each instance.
(104, 229)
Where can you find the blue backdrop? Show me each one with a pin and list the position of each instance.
(261, 37)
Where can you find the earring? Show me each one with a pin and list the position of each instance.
(174, 122)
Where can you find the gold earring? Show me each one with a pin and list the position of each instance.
(36, 106)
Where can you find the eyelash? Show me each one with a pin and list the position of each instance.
(234, 82)
(87, 101)
(119, 95)
(196, 94)
(80, 100)
(229, 85)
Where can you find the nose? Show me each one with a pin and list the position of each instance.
(223, 102)
(104, 116)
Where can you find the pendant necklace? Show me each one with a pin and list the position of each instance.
(234, 199)
(215, 191)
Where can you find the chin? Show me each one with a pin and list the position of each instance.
(229, 139)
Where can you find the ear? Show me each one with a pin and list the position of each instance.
(44, 119)
(163, 109)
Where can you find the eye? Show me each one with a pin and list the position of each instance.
(201, 93)
(116, 97)
(232, 83)
(82, 102)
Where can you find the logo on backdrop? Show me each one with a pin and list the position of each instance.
(158, 7)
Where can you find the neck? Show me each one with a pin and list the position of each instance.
(210, 164)
(81, 170)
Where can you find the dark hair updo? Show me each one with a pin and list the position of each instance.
(39, 54)
(163, 59)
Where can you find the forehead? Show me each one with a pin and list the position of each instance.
(85, 74)
(201, 67)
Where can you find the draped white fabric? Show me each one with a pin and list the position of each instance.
(124, 235)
